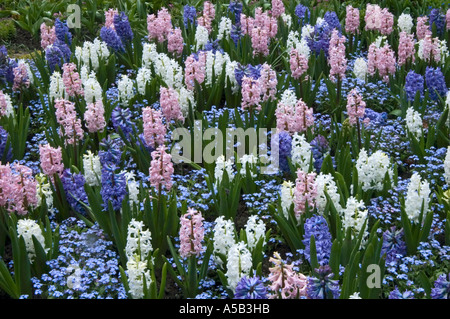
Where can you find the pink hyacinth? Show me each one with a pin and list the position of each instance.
(20, 77)
(3, 104)
(406, 49)
(298, 64)
(51, 160)
(159, 26)
(430, 49)
(422, 28)
(447, 19)
(153, 128)
(251, 93)
(352, 20)
(95, 117)
(387, 22)
(277, 8)
(109, 18)
(192, 233)
(305, 192)
(18, 188)
(355, 106)
(381, 60)
(194, 71)
(268, 82)
(71, 80)
(169, 104)
(292, 119)
(208, 10)
(285, 281)
(336, 56)
(260, 41)
(48, 35)
(161, 169)
(175, 41)
(372, 17)
(66, 116)
(247, 24)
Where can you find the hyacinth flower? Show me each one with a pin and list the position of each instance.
(194, 71)
(355, 110)
(189, 16)
(406, 49)
(110, 37)
(114, 187)
(250, 288)
(66, 117)
(299, 66)
(435, 81)
(317, 227)
(95, 117)
(422, 29)
(159, 26)
(305, 193)
(48, 35)
(123, 28)
(285, 282)
(161, 169)
(251, 95)
(322, 286)
(414, 84)
(352, 24)
(297, 118)
(51, 160)
(71, 80)
(5, 146)
(154, 131)
(62, 31)
(441, 288)
(175, 41)
(73, 184)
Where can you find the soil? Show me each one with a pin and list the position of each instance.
(23, 44)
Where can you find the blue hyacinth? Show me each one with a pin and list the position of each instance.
(413, 83)
(189, 15)
(435, 81)
(302, 12)
(393, 245)
(247, 70)
(320, 38)
(123, 28)
(438, 19)
(121, 118)
(250, 288)
(236, 8)
(396, 294)
(317, 226)
(114, 187)
(441, 288)
(62, 31)
(332, 19)
(6, 154)
(320, 149)
(111, 38)
(57, 54)
(73, 185)
(322, 286)
(110, 152)
(284, 150)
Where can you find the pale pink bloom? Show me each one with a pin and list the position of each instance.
(209, 10)
(387, 22)
(161, 169)
(285, 281)
(355, 106)
(277, 8)
(109, 18)
(154, 130)
(251, 93)
(431, 49)
(260, 41)
(298, 64)
(159, 26)
(336, 56)
(71, 80)
(206, 22)
(422, 28)
(194, 71)
(447, 19)
(406, 49)
(292, 119)
(170, 105)
(381, 60)
(192, 233)
(66, 116)
(51, 160)
(305, 192)
(48, 35)
(352, 20)
(247, 24)
(175, 41)
(268, 82)
(20, 77)
(372, 17)
(95, 117)
(3, 104)
(22, 190)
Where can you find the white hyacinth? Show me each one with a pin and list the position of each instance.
(44, 191)
(251, 160)
(186, 97)
(360, 69)
(27, 228)
(139, 241)
(239, 264)
(201, 37)
(92, 89)
(372, 169)
(92, 53)
(255, 229)
(414, 122)
(126, 89)
(287, 19)
(418, 194)
(133, 188)
(300, 44)
(287, 197)
(149, 55)
(447, 166)
(307, 31)
(230, 75)
(143, 76)
(57, 89)
(221, 166)
(92, 169)
(223, 238)
(225, 25)
(288, 98)
(325, 182)
(136, 271)
(405, 22)
(301, 152)
(27, 68)
(9, 110)
(354, 216)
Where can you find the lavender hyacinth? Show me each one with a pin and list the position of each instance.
(393, 245)
(123, 28)
(111, 38)
(435, 81)
(114, 187)
(441, 288)
(413, 83)
(250, 288)
(317, 226)
(73, 185)
(322, 286)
